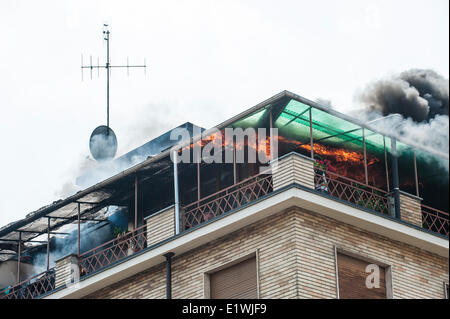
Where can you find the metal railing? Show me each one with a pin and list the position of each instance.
(352, 191)
(435, 220)
(113, 251)
(225, 200)
(192, 214)
(31, 288)
(214, 205)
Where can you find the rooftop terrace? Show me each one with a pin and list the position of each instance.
(319, 150)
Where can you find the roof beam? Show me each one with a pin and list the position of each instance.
(296, 116)
(85, 203)
(23, 241)
(87, 219)
(40, 232)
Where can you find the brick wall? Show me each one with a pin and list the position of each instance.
(296, 260)
(275, 238)
(410, 209)
(160, 226)
(415, 272)
(64, 269)
(294, 168)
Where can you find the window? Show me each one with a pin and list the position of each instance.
(359, 279)
(446, 290)
(235, 282)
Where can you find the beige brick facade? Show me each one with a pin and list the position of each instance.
(296, 259)
(410, 209)
(293, 168)
(160, 226)
(64, 270)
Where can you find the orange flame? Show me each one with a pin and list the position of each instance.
(215, 138)
(339, 154)
(346, 162)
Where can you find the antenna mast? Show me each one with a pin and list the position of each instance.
(106, 33)
(108, 66)
(103, 141)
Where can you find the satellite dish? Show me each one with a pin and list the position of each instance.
(103, 143)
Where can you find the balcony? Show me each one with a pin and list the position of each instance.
(32, 288)
(291, 170)
(226, 200)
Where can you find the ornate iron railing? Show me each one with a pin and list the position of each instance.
(435, 220)
(31, 288)
(217, 204)
(225, 200)
(352, 191)
(113, 251)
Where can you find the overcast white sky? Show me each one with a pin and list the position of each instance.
(208, 60)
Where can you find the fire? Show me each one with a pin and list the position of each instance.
(338, 154)
(220, 141)
(344, 162)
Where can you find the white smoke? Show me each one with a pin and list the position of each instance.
(432, 136)
(92, 234)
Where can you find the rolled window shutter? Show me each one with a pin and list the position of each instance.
(352, 279)
(235, 282)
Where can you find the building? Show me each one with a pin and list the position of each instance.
(341, 211)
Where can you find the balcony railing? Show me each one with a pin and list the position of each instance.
(435, 220)
(352, 191)
(219, 203)
(31, 288)
(113, 251)
(225, 200)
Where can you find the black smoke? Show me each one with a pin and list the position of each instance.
(416, 93)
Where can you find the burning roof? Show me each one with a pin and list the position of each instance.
(335, 135)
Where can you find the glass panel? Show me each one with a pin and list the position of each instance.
(187, 179)
(376, 159)
(334, 129)
(388, 144)
(338, 144)
(157, 192)
(293, 129)
(254, 120)
(215, 177)
(433, 180)
(406, 178)
(257, 120)
(218, 175)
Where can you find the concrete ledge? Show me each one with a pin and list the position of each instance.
(296, 154)
(409, 195)
(158, 212)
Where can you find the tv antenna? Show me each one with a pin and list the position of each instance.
(103, 142)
